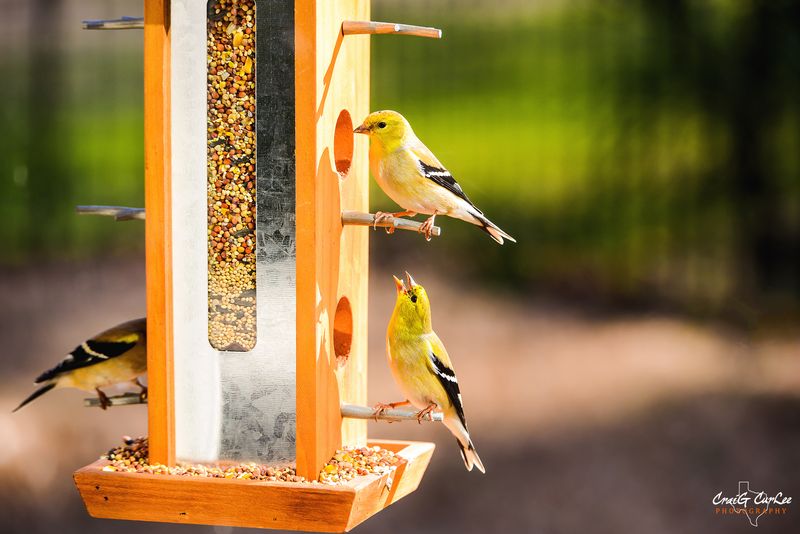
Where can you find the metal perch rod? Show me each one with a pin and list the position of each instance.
(358, 27)
(124, 23)
(120, 213)
(368, 219)
(353, 411)
(118, 400)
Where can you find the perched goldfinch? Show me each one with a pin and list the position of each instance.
(112, 357)
(412, 176)
(421, 367)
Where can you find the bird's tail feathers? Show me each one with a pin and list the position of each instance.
(36, 394)
(494, 231)
(468, 452)
(470, 456)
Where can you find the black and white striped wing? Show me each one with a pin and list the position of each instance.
(447, 378)
(442, 177)
(88, 353)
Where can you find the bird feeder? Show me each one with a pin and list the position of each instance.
(256, 264)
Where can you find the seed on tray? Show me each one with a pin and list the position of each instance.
(346, 464)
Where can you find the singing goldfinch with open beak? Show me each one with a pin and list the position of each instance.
(115, 356)
(412, 176)
(421, 367)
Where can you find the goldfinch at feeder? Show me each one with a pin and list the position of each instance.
(412, 176)
(421, 366)
(114, 356)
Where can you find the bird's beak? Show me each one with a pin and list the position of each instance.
(363, 129)
(399, 285)
(410, 281)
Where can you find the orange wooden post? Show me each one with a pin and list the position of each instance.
(161, 416)
(332, 92)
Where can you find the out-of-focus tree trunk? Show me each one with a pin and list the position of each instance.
(49, 192)
(754, 105)
(741, 82)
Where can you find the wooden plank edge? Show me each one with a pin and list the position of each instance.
(213, 501)
(158, 236)
(372, 498)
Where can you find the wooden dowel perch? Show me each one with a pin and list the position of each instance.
(120, 213)
(118, 400)
(359, 27)
(124, 23)
(353, 411)
(357, 218)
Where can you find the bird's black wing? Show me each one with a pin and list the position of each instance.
(86, 354)
(442, 177)
(449, 382)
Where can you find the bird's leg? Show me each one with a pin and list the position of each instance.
(427, 411)
(381, 407)
(142, 389)
(105, 402)
(427, 227)
(381, 216)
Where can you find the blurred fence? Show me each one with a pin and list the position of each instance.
(72, 128)
(642, 152)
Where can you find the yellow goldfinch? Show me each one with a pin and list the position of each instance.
(412, 176)
(421, 367)
(112, 357)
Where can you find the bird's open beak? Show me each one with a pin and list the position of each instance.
(399, 285)
(410, 281)
(363, 129)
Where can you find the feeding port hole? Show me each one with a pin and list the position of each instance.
(342, 331)
(343, 143)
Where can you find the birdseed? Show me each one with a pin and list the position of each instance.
(231, 160)
(346, 464)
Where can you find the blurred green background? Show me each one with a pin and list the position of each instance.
(644, 153)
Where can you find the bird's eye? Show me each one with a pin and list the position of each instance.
(413, 298)
(381, 125)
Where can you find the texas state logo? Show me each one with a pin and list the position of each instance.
(751, 504)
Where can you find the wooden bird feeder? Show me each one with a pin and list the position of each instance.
(256, 198)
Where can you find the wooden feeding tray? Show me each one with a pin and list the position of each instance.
(256, 241)
(241, 503)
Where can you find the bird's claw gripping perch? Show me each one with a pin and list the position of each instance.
(426, 412)
(427, 227)
(382, 407)
(379, 409)
(142, 390)
(381, 216)
(105, 402)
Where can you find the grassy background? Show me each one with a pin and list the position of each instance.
(643, 153)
